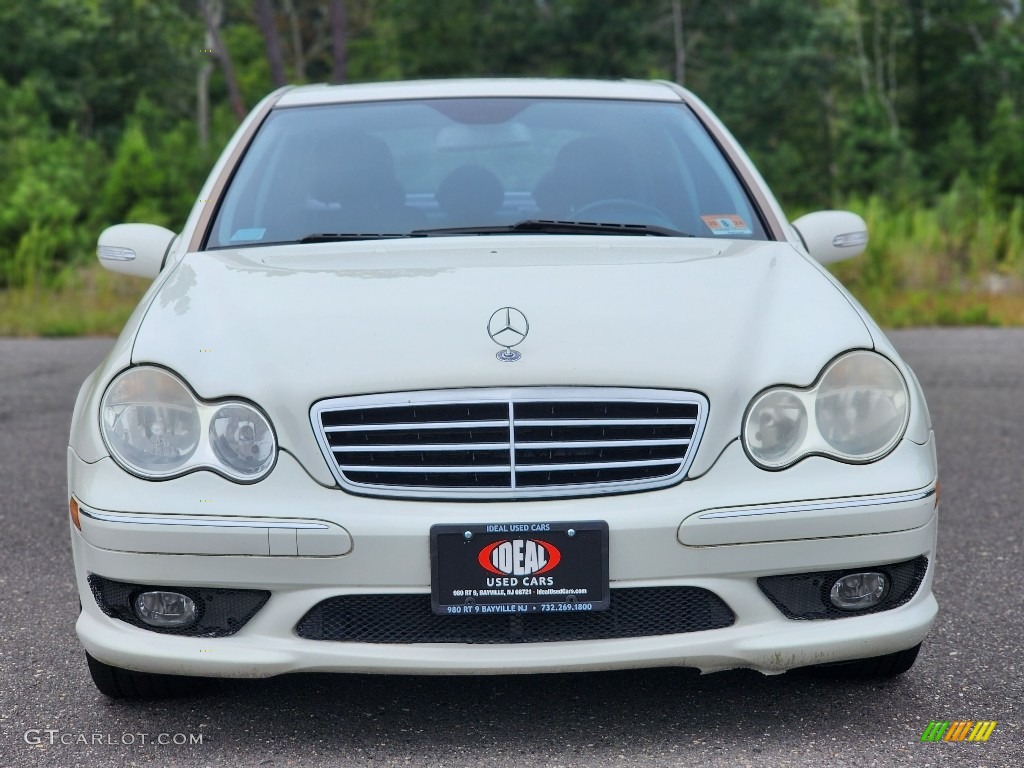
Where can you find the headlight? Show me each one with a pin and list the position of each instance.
(156, 428)
(776, 426)
(242, 439)
(856, 411)
(861, 407)
(150, 421)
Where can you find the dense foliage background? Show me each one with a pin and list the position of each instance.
(908, 111)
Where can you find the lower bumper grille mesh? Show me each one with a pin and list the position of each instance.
(806, 595)
(222, 612)
(402, 619)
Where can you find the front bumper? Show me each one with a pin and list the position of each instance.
(306, 543)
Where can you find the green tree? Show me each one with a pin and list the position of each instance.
(93, 57)
(1004, 153)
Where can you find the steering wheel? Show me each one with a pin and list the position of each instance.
(622, 210)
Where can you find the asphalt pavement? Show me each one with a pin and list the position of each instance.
(970, 667)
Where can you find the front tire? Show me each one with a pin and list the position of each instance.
(875, 668)
(118, 683)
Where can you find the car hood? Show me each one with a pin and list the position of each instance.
(286, 326)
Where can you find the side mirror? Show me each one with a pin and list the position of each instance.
(832, 235)
(134, 249)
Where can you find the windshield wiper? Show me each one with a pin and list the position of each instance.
(341, 237)
(528, 226)
(553, 227)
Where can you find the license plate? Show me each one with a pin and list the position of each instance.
(493, 568)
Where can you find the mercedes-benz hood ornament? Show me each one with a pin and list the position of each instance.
(507, 328)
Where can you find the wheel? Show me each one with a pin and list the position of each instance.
(120, 683)
(875, 668)
(624, 211)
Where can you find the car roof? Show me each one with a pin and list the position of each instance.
(640, 90)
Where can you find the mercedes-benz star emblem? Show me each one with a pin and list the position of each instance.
(508, 327)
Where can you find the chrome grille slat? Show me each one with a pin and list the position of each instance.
(532, 442)
(468, 469)
(512, 441)
(600, 422)
(594, 465)
(414, 426)
(439, 447)
(523, 444)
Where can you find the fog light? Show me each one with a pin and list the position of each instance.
(857, 591)
(165, 609)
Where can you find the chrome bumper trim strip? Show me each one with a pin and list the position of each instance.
(815, 506)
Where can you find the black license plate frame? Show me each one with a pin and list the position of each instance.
(519, 567)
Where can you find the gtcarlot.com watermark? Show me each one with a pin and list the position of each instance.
(52, 736)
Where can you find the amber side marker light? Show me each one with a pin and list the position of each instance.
(73, 509)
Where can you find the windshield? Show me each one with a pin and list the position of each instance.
(481, 166)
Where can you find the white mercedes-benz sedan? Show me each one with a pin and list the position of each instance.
(495, 376)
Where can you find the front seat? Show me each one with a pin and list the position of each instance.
(585, 171)
(470, 196)
(357, 190)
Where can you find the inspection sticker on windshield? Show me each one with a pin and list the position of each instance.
(727, 224)
(255, 233)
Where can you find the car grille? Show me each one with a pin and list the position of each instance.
(519, 443)
(402, 619)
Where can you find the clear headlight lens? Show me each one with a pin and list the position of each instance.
(155, 427)
(857, 411)
(150, 421)
(861, 405)
(776, 426)
(242, 438)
